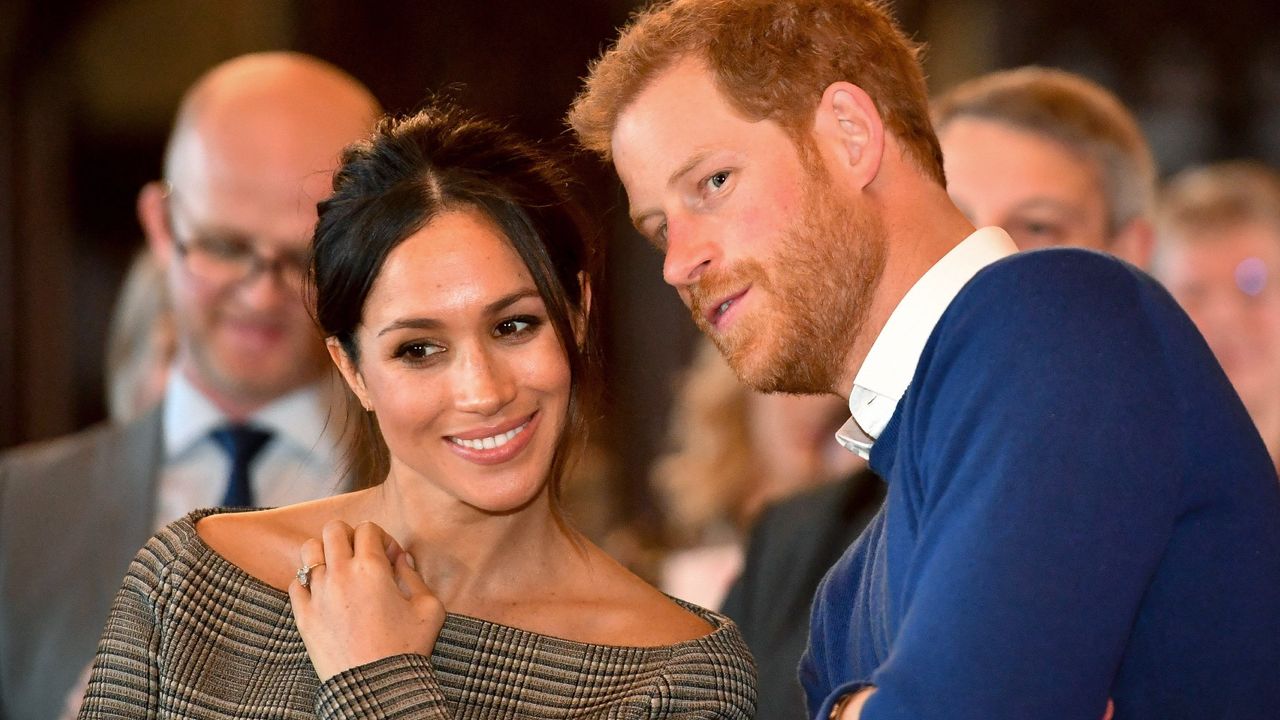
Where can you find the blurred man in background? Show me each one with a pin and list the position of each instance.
(247, 415)
(1051, 157)
(1219, 254)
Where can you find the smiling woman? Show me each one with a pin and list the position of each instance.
(457, 357)
(452, 279)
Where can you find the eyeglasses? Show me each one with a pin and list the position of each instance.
(230, 260)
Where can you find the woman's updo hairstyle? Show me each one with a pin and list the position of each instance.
(443, 159)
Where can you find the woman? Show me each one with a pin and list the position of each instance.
(452, 280)
(141, 341)
(732, 451)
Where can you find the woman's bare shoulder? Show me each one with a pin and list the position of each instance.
(640, 615)
(265, 543)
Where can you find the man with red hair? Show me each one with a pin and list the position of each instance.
(1076, 499)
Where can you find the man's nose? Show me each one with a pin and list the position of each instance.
(691, 251)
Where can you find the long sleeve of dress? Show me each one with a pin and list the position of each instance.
(710, 680)
(125, 678)
(402, 687)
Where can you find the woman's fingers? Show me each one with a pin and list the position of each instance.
(427, 608)
(407, 577)
(371, 541)
(311, 552)
(300, 598)
(337, 538)
(394, 551)
(368, 603)
(311, 563)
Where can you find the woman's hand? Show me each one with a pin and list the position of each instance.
(364, 600)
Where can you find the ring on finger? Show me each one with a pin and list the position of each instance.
(304, 573)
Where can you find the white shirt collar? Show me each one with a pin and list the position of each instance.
(891, 363)
(302, 417)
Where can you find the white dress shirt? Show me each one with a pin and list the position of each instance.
(299, 463)
(891, 363)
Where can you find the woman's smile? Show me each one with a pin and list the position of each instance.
(493, 446)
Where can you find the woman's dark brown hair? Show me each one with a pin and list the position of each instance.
(439, 160)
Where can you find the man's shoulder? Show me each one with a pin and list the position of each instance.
(42, 454)
(79, 446)
(1062, 294)
(44, 463)
(1087, 273)
(1056, 333)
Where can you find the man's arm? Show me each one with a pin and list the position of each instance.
(850, 706)
(1041, 459)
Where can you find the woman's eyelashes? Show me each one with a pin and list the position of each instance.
(417, 352)
(509, 331)
(518, 328)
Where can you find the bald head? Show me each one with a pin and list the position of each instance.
(253, 149)
(273, 119)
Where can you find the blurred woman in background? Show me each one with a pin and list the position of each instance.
(733, 451)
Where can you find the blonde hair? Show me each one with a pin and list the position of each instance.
(1201, 202)
(709, 469)
(1218, 196)
(773, 59)
(1074, 112)
(140, 339)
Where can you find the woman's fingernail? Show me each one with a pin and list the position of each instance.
(409, 559)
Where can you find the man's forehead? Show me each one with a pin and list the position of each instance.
(222, 178)
(680, 97)
(680, 117)
(283, 217)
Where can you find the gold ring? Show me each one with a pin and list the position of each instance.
(304, 574)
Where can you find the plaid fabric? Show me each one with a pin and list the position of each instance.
(191, 635)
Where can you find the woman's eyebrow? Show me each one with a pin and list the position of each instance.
(493, 308)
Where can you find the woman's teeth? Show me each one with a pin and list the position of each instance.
(489, 443)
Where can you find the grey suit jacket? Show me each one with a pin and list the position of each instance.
(73, 513)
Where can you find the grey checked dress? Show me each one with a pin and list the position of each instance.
(193, 636)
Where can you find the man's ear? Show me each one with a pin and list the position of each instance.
(153, 215)
(1135, 243)
(349, 371)
(849, 133)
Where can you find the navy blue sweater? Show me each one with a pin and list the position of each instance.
(1078, 509)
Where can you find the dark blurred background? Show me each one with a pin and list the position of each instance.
(89, 89)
